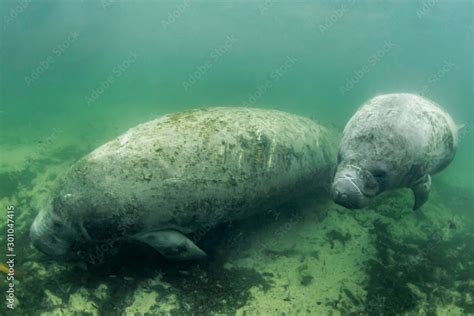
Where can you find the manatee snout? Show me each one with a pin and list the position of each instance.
(353, 187)
(49, 235)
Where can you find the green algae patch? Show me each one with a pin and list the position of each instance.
(10, 181)
(419, 274)
(338, 236)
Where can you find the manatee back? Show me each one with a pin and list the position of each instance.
(405, 128)
(201, 167)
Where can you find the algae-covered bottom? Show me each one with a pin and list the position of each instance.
(309, 257)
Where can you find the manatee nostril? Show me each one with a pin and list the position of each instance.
(339, 195)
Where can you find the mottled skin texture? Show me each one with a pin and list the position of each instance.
(186, 171)
(393, 141)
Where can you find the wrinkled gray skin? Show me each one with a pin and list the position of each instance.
(170, 177)
(393, 141)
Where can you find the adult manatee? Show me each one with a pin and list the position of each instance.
(167, 178)
(393, 141)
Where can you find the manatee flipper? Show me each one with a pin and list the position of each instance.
(171, 244)
(421, 189)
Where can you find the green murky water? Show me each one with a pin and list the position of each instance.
(75, 74)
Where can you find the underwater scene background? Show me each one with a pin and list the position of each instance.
(76, 74)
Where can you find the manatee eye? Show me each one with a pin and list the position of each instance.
(57, 224)
(378, 173)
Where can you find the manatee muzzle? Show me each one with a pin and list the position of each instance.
(353, 187)
(45, 236)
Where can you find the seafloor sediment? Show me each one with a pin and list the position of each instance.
(309, 257)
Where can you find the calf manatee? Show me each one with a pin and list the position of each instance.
(167, 178)
(393, 141)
